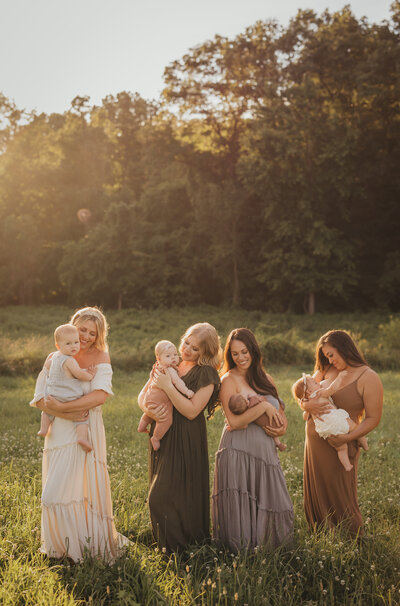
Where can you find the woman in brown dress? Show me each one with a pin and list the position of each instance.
(179, 499)
(330, 492)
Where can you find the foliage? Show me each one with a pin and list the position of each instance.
(26, 334)
(265, 176)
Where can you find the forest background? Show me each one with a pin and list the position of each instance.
(265, 176)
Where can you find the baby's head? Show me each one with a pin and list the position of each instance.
(304, 387)
(166, 353)
(66, 338)
(238, 404)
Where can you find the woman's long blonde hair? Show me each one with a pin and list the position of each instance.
(94, 314)
(209, 343)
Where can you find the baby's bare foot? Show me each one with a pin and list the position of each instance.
(41, 434)
(281, 446)
(155, 443)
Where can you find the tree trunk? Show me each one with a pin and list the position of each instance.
(311, 303)
(236, 289)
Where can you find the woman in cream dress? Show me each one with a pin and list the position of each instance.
(77, 512)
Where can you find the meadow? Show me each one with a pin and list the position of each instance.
(319, 569)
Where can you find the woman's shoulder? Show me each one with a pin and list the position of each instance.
(369, 378)
(102, 357)
(208, 374)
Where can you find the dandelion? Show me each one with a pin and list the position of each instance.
(342, 582)
(164, 550)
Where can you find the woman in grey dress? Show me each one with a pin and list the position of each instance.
(251, 505)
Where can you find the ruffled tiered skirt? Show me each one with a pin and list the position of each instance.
(251, 505)
(77, 512)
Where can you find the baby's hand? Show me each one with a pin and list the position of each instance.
(92, 370)
(190, 393)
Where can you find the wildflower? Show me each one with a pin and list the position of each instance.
(342, 582)
(164, 550)
(214, 585)
(224, 590)
(208, 581)
(236, 597)
(187, 568)
(108, 590)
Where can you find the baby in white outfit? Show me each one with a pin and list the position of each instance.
(333, 423)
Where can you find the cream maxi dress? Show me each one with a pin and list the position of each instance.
(77, 512)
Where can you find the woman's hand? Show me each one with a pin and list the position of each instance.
(56, 405)
(276, 432)
(316, 408)
(77, 417)
(158, 412)
(162, 380)
(337, 441)
(274, 416)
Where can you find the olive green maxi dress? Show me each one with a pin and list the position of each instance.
(179, 499)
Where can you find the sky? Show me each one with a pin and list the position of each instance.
(53, 50)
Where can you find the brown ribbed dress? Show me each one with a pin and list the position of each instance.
(330, 492)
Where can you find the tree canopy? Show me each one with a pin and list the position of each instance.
(266, 176)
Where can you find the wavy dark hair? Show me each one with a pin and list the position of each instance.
(346, 348)
(256, 375)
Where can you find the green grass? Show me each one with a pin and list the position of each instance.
(320, 568)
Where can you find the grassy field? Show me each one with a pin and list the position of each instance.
(319, 569)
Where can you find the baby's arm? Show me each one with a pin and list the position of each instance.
(78, 372)
(179, 384)
(47, 364)
(333, 387)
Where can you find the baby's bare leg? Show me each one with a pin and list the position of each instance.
(363, 442)
(143, 423)
(161, 429)
(45, 423)
(83, 438)
(343, 454)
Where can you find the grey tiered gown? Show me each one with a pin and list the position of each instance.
(251, 505)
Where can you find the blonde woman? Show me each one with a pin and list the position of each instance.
(179, 473)
(76, 499)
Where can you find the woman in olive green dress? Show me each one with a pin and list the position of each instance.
(179, 500)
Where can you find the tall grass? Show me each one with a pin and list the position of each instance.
(26, 334)
(325, 568)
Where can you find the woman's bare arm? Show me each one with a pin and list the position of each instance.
(97, 397)
(188, 408)
(77, 416)
(228, 389)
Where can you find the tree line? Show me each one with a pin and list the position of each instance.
(266, 175)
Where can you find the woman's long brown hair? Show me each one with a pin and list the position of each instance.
(347, 349)
(256, 375)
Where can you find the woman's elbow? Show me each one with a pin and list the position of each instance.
(101, 397)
